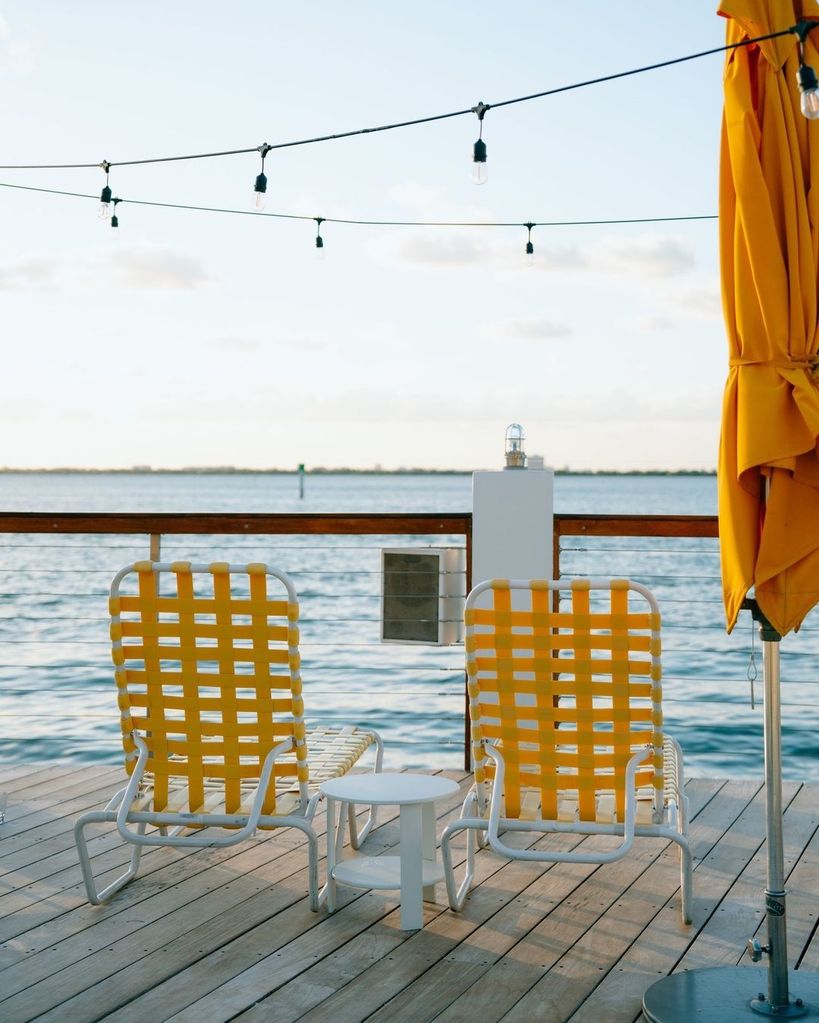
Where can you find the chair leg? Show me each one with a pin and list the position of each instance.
(686, 880)
(356, 836)
(95, 897)
(316, 897)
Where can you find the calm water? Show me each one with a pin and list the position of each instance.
(56, 691)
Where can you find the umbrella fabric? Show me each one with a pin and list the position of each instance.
(768, 477)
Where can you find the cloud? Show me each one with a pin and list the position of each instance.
(704, 301)
(532, 329)
(648, 255)
(441, 250)
(37, 273)
(136, 267)
(652, 324)
(567, 257)
(427, 202)
(156, 268)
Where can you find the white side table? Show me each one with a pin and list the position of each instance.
(415, 872)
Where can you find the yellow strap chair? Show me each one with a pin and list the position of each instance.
(567, 724)
(210, 696)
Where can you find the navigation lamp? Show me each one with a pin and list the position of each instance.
(515, 455)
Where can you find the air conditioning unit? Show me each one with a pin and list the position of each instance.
(422, 595)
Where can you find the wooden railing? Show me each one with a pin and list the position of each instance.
(156, 525)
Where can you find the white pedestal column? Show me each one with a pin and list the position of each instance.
(512, 524)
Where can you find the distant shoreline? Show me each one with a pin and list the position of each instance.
(227, 470)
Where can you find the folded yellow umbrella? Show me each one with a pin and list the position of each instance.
(769, 239)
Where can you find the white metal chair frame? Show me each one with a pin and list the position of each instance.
(482, 818)
(131, 820)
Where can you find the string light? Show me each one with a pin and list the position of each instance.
(371, 222)
(806, 76)
(479, 149)
(415, 121)
(105, 194)
(261, 179)
(319, 240)
(115, 218)
(530, 249)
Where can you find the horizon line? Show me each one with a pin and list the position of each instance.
(320, 470)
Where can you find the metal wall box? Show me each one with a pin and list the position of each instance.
(422, 595)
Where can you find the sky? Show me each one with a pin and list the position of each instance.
(184, 338)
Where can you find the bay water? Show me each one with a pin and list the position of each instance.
(57, 697)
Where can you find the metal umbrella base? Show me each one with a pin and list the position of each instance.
(727, 994)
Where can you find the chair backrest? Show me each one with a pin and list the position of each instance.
(565, 678)
(207, 670)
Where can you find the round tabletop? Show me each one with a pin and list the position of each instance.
(385, 788)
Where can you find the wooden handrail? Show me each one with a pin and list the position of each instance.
(636, 525)
(228, 522)
(339, 523)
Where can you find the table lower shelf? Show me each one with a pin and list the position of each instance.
(381, 872)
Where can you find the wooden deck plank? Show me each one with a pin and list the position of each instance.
(721, 940)
(584, 966)
(432, 975)
(598, 928)
(803, 904)
(227, 934)
(49, 793)
(662, 944)
(118, 970)
(179, 882)
(57, 909)
(11, 773)
(801, 846)
(382, 944)
(48, 831)
(246, 979)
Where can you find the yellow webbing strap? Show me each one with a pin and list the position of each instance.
(568, 696)
(210, 697)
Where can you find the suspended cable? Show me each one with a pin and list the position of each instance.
(368, 223)
(799, 30)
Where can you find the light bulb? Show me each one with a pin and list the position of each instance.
(260, 188)
(105, 203)
(809, 88)
(530, 254)
(479, 176)
(319, 247)
(810, 104)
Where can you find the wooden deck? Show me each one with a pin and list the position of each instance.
(227, 935)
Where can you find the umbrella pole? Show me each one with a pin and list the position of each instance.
(722, 993)
(777, 947)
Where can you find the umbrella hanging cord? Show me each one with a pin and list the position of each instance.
(752, 671)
